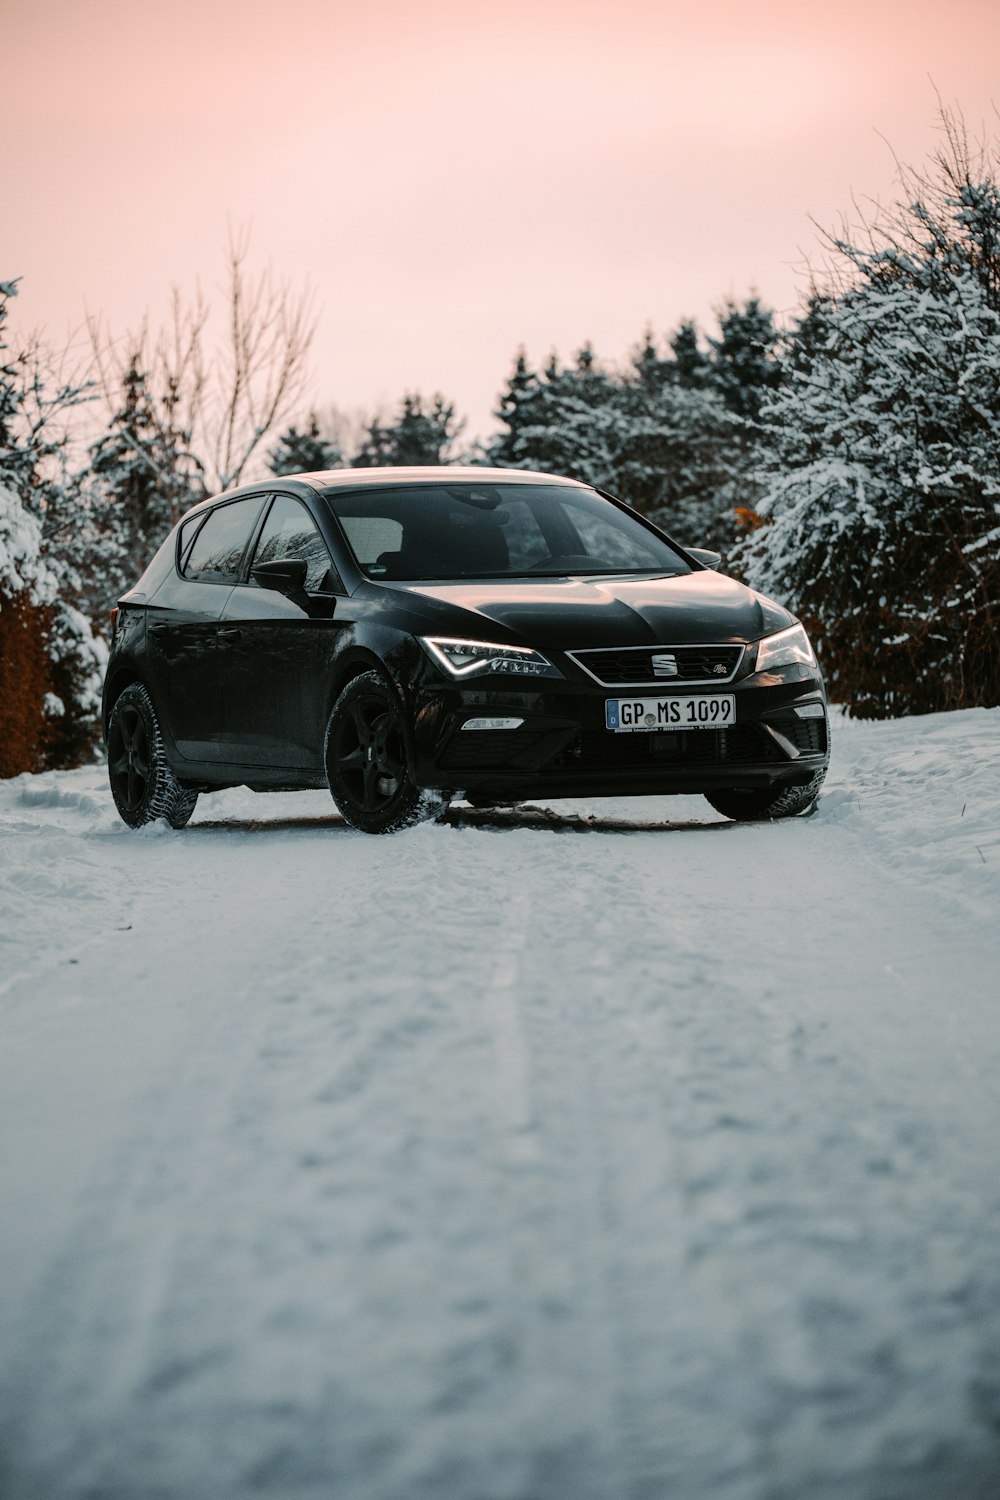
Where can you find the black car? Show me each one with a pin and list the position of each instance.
(404, 636)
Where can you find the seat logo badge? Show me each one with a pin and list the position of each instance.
(719, 669)
(664, 664)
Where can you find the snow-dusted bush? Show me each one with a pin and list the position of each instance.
(881, 461)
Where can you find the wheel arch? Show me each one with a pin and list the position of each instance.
(121, 675)
(355, 663)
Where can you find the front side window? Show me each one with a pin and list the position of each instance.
(446, 532)
(290, 531)
(218, 548)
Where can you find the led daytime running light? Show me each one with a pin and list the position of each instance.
(469, 658)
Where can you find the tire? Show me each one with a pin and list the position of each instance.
(367, 765)
(767, 804)
(143, 786)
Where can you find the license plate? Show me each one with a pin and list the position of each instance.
(697, 711)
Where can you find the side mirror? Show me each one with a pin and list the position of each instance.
(705, 556)
(287, 575)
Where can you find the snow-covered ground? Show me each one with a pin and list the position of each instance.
(590, 1156)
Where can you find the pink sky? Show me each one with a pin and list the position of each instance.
(456, 179)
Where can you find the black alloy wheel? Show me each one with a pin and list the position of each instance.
(366, 760)
(767, 804)
(143, 786)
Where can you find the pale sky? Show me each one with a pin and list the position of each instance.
(456, 179)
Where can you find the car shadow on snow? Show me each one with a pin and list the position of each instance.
(545, 818)
(328, 823)
(542, 819)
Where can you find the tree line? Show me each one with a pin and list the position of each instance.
(847, 462)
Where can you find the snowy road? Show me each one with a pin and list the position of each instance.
(582, 1158)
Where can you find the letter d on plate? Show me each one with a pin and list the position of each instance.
(611, 717)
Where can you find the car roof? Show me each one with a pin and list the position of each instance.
(431, 474)
(325, 480)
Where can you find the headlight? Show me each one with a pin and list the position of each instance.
(784, 650)
(472, 658)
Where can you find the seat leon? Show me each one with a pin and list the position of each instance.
(406, 636)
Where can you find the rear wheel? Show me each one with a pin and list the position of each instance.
(761, 805)
(367, 764)
(142, 783)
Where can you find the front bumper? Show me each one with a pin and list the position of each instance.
(563, 749)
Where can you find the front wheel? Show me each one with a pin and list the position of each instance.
(762, 805)
(142, 783)
(367, 765)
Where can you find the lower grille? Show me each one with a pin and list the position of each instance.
(599, 750)
(807, 735)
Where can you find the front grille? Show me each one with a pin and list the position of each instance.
(602, 750)
(632, 666)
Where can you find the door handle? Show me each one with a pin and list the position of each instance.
(230, 633)
(159, 629)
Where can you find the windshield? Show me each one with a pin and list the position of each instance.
(444, 532)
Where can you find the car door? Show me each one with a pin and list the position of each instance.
(185, 630)
(275, 647)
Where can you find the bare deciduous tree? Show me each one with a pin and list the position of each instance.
(209, 412)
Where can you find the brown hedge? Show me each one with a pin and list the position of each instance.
(24, 681)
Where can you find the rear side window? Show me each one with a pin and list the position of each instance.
(188, 532)
(219, 546)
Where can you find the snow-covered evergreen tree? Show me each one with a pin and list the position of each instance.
(654, 439)
(881, 461)
(744, 367)
(138, 484)
(417, 437)
(307, 452)
(689, 364)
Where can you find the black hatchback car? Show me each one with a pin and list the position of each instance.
(403, 636)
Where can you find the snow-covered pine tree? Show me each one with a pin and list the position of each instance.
(744, 367)
(689, 364)
(881, 460)
(513, 412)
(417, 437)
(139, 484)
(562, 423)
(307, 452)
(665, 447)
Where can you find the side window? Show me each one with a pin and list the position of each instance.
(290, 531)
(219, 546)
(188, 532)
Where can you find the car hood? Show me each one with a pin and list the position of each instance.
(565, 614)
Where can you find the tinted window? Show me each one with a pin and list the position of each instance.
(219, 546)
(466, 530)
(370, 536)
(189, 530)
(290, 531)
